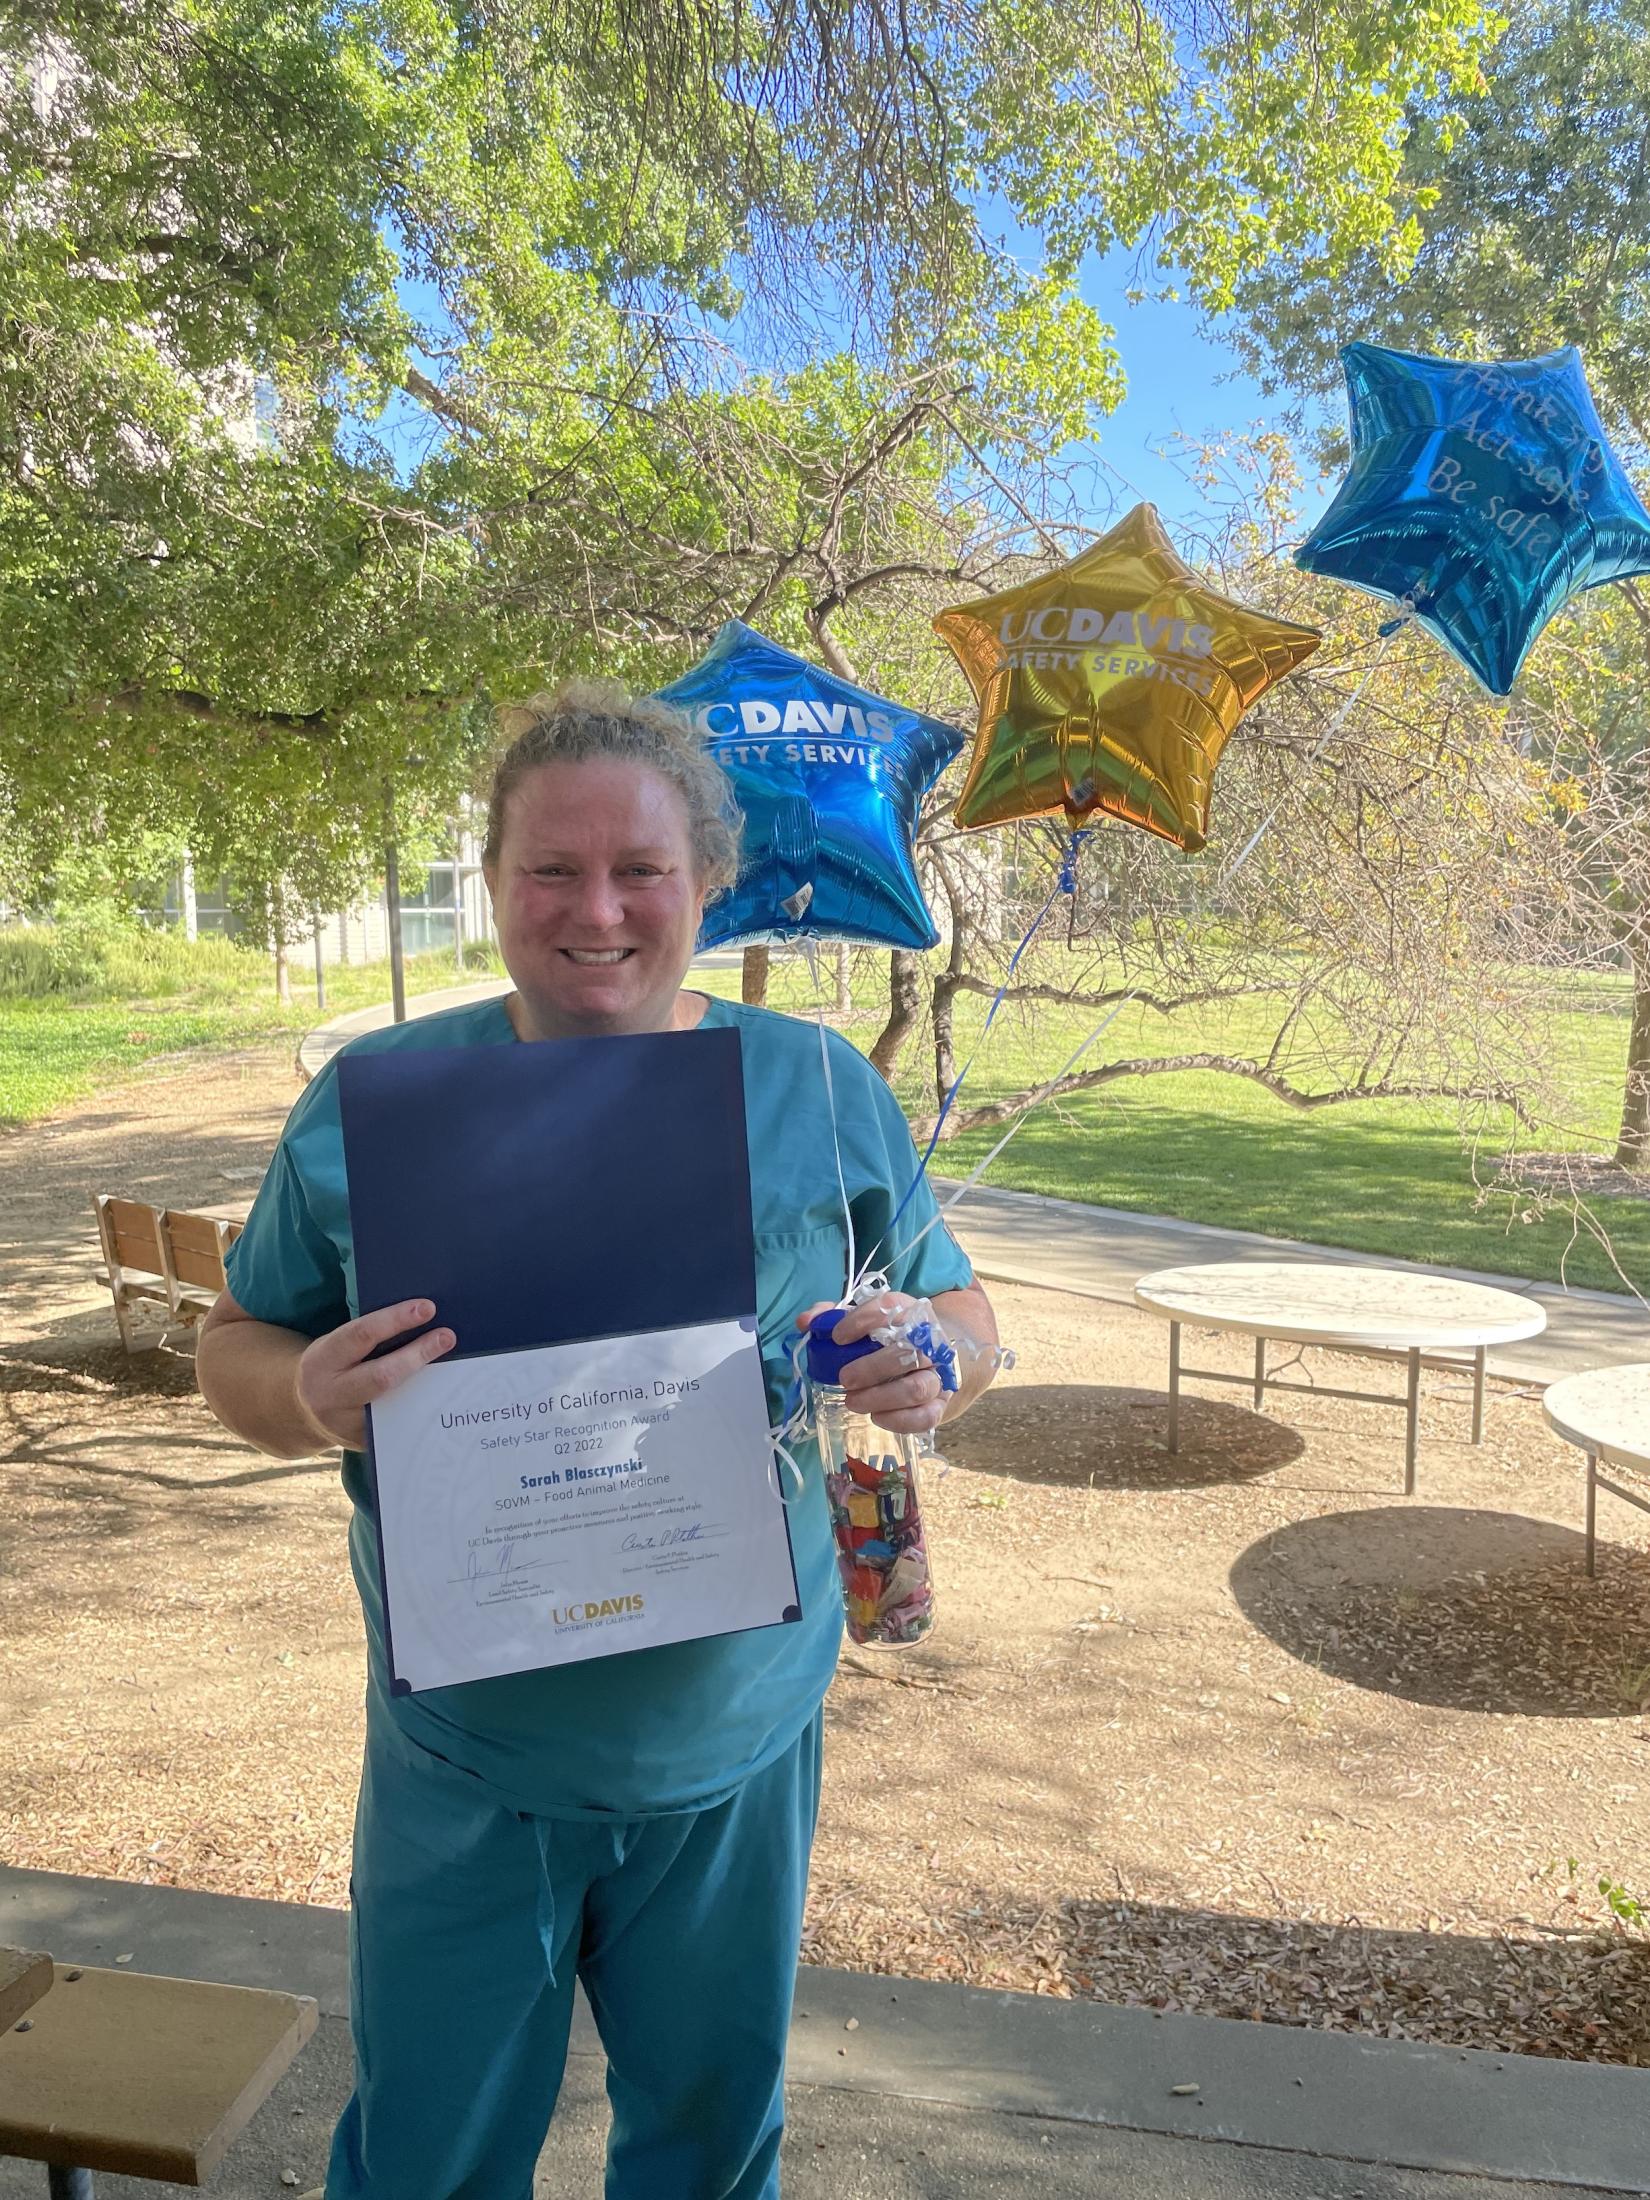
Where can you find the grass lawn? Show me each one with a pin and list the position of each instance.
(1387, 1176)
(55, 1049)
(1383, 1176)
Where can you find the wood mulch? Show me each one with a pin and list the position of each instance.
(1243, 1731)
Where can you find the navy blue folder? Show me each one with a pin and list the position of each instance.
(546, 1193)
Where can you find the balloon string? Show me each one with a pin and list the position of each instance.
(790, 1413)
(1036, 1100)
(1388, 632)
(791, 1427)
(1065, 882)
(1392, 627)
(810, 955)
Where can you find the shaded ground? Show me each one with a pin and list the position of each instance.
(1240, 1731)
(1590, 1176)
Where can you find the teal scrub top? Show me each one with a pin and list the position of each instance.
(679, 1727)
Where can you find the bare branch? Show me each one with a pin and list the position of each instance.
(1164, 1003)
(1227, 1065)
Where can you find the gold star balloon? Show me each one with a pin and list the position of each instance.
(1112, 686)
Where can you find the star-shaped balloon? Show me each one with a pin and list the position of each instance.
(1112, 685)
(1485, 495)
(830, 781)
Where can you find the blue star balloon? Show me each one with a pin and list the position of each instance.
(830, 781)
(1484, 495)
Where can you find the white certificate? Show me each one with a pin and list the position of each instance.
(539, 1507)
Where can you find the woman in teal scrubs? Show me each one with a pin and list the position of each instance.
(641, 1821)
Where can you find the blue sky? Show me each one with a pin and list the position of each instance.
(1185, 386)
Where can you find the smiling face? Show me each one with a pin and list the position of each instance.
(597, 898)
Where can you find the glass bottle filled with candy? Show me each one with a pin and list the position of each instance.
(876, 1505)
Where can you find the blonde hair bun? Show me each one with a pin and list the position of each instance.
(584, 719)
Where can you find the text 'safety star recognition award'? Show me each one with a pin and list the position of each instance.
(589, 1470)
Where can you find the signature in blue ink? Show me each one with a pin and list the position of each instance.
(478, 1572)
(669, 1539)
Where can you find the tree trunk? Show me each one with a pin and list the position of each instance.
(904, 1009)
(949, 982)
(945, 1057)
(283, 970)
(844, 995)
(1633, 1139)
(320, 961)
(459, 942)
(392, 911)
(753, 982)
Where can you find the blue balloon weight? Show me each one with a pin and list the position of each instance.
(1484, 495)
(830, 781)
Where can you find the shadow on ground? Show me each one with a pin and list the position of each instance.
(71, 1361)
(118, 1449)
(1097, 1436)
(53, 1170)
(1471, 1610)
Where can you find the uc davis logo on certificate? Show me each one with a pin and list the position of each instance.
(593, 1613)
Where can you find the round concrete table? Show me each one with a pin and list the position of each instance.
(1607, 1412)
(1388, 1312)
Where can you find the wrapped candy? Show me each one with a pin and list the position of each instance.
(887, 1588)
(876, 1507)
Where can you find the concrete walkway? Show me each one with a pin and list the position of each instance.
(1099, 1252)
(905, 2090)
(316, 1048)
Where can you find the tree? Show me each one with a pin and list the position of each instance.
(1533, 210)
(358, 363)
(1382, 936)
(1531, 220)
(1584, 719)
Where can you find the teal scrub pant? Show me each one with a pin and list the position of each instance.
(469, 1922)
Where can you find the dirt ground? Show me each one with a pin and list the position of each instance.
(1241, 1731)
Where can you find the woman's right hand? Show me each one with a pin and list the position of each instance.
(338, 1379)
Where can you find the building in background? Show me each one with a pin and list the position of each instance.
(451, 908)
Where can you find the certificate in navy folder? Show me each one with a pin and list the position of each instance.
(589, 1471)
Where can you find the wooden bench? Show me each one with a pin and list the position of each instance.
(24, 1977)
(141, 2076)
(161, 1260)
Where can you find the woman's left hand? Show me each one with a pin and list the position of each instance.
(897, 1386)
